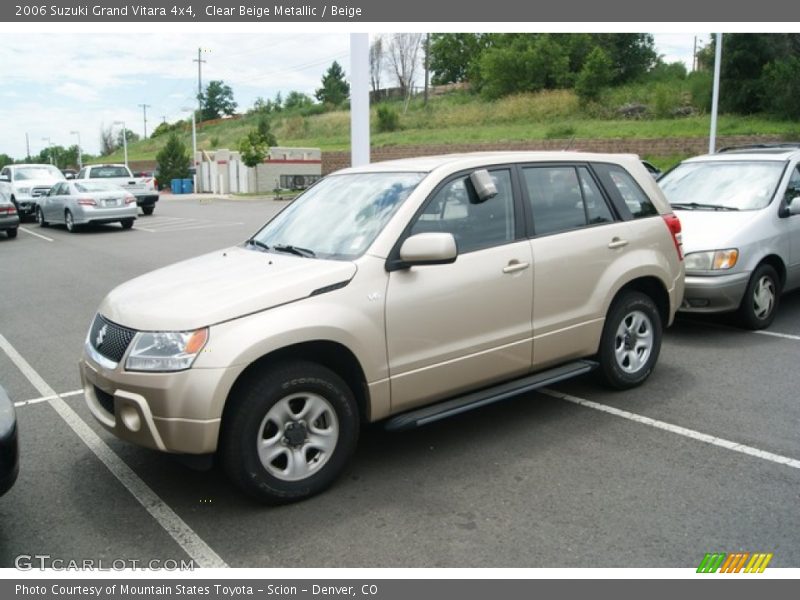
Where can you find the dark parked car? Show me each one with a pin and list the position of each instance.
(9, 218)
(9, 463)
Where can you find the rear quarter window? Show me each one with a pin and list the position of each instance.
(629, 197)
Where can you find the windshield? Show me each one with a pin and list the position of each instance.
(96, 186)
(340, 216)
(737, 185)
(39, 172)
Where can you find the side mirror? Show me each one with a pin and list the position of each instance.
(483, 184)
(69, 176)
(5, 178)
(793, 206)
(429, 249)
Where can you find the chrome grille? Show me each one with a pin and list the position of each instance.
(38, 192)
(114, 340)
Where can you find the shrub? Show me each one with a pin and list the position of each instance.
(596, 74)
(700, 88)
(559, 132)
(781, 85)
(388, 118)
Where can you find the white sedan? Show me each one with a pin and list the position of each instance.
(75, 203)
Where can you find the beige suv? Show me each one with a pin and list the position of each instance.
(404, 292)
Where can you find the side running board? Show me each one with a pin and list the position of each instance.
(461, 404)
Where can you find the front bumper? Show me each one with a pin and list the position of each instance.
(9, 453)
(714, 294)
(26, 208)
(176, 412)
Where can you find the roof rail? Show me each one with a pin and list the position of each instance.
(776, 145)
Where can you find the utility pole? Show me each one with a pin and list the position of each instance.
(694, 56)
(27, 147)
(427, 64)
(199, 62)
(144, 111)
(164, 119)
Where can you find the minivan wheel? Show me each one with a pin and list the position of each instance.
(289, 432)
(760, 301)
(126, 223)
(631, 340)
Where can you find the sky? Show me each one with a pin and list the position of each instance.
(56, 84)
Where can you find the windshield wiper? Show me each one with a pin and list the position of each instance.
(700, 206)
(297, 250)
(254, 242)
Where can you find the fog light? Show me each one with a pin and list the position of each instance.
(698, 302)
(130, 418)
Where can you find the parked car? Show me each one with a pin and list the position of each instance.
(652, 169)
(69, 173)
(75, 203)
(9, 454)
(143, 188)
(9, 218)
(28, 183)
(149, 176)
(739, 210)
(441, 285)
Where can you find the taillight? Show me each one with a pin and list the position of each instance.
(674, 226)
(130, 199)
(87, 202)
(8, 210)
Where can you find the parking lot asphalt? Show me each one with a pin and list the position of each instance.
(697, 460)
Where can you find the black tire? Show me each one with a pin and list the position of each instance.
(249, 420)
(631, 341)
(12, 233)
(126, 223)
(68, 221)
(148, 210)
(40, 217)
(760, 302)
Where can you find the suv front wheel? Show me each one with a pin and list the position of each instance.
(631, 340)
(289, 433)
(760, 301)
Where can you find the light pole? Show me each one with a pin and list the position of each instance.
(49, 148)
(194, 145)
(124, 139)
(80, 152)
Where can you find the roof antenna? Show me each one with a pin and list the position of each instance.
(569, 144)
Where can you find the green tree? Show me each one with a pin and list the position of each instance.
(596, 74)
(526, 64)
(173, 159)
(632, 54)
(253, 151)
(264, 132)
(454, 56)
(297, 100)
(335, 90)
(781, 87)
(130, 135)
(5, 159)
(216, 101)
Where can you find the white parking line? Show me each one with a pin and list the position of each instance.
(176, 527)
(689, 433)
(39, 235)
(786, 336)
(46, 398)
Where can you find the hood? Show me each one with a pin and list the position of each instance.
(712, 229)
(219, 286)
(34, 183)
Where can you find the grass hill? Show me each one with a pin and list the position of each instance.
(652, 110)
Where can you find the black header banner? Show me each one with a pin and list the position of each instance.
(369, 11)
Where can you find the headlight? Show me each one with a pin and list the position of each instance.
(712, 261)
(24, 190)
(165, 350)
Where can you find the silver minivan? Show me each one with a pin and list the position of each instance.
(741, 230)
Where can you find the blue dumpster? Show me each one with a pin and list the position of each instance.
(188, 186)
(176, 185)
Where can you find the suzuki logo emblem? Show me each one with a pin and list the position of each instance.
(101, 335)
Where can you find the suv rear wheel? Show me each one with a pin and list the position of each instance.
(631, 340)
(760, 301)
(289, 433)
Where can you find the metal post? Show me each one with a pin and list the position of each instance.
(144, 111)
(712, 139)
(359, 99)
(80, 152)
(124, 139)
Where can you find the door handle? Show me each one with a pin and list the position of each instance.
(617, 243)
(515, 266)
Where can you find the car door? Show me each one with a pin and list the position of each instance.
(467, 324)
(572, 218)
(55, 203)
(791, 226)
